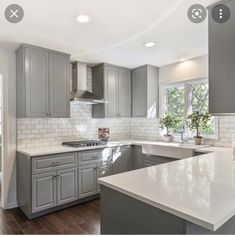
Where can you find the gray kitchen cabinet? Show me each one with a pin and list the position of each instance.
(145, 92)
(112, 83)
(221, 63)
(67, 186)
(42, 84)
(142, 160)
(87, 176)
(103, 169)
(151, 160)
(32, 82)
(122, 159)
(43, 191)
(59, 85)
(124, 93)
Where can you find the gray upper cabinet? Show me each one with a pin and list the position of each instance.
(42, 84)
(59, 85)
(124, 93)
(36, 84)
(111, 93)
(145, 92)
(113, 83)
(221, 64)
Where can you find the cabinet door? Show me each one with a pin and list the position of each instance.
(36, 74)
(111, 80)
(221, 64)
(124, 93)
(103, 169)
(150, 160)
(59, 85)
(66, 186)
(122, 160)
(43, 191)
(139, 92)
(87, 180)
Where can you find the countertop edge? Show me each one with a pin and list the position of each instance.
(205, 224)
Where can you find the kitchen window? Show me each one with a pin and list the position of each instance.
(184, 98)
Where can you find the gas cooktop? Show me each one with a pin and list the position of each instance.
(84, 143)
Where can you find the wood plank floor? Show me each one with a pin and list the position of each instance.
(81, 219)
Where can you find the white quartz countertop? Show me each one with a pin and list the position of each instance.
(200, 189)
(46, 150)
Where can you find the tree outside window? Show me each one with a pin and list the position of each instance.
(183, 99)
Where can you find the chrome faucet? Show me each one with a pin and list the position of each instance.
(182, 140)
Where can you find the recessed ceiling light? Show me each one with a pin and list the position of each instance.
(83, 18)
(149, 44)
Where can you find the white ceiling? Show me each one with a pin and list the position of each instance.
(116, 32)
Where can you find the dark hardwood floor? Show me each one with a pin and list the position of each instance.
(81, 219)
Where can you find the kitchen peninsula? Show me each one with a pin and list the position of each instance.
(188, 196)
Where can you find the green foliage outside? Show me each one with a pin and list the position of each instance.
(175, 105)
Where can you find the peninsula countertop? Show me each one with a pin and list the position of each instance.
(46, 150)
(200, 189)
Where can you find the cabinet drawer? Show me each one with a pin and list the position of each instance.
(90, 157)
(53, 162)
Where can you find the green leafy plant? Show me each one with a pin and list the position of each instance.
(198, 121)
(169, 122)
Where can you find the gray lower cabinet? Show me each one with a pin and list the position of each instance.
(103, 169)
(87, 180)
(142, 160)
(122, 159)
(53, 189)
(43, 83)
(67, 186)
(50, 182)
(43, 191)
(93, 165)
(113, 83)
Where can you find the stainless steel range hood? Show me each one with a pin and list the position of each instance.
(79, 86)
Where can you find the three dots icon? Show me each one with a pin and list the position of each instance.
(220, 13)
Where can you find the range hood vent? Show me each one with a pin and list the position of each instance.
(79, 86)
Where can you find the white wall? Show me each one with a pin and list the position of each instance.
(7, 69)
(188, 70)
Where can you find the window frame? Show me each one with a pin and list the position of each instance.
(187, 102)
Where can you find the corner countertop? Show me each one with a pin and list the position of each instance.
(200, 189)
(46, 150)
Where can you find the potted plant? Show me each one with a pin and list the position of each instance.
(169, 122)
(198, 121)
